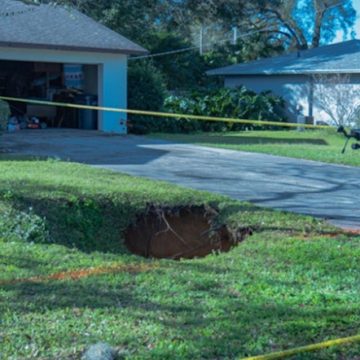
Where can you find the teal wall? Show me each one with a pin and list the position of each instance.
(113, 81)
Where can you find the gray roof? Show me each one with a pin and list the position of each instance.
(56, 27)
(337, 58)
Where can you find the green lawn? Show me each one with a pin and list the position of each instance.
(319, 145)
(294, 282)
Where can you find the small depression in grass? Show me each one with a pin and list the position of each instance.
(181, 232)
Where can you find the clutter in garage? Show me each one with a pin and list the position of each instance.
(67, 83)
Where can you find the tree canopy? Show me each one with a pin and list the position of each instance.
(263, 28)
(297, 24)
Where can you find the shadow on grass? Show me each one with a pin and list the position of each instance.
(226, 325)
(5, 156)
(21, 262)
(254, 140)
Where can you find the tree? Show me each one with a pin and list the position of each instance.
(246, 49)
(338, 98)
(137, 19)
(308, 23)
(182, 70)
(297, 23)
(265, 28)
(146, 92)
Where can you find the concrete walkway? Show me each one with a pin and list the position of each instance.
(327, 191)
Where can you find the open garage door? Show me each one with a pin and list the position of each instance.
(68, 83)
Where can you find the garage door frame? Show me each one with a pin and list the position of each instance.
(112, 78)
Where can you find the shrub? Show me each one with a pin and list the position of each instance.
(22, 226)
(237, 103)
(146, 92)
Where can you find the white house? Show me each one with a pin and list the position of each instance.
(293, 76)
(36, 43)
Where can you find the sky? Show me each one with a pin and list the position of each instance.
(340, 35)
(356, 4)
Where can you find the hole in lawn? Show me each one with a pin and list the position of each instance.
(181, 232)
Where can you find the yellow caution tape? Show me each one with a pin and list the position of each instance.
(308, 348)
(165, 114)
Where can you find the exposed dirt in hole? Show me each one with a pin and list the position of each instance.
(181, 232)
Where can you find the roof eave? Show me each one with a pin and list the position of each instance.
(269, 73)
(139, 51)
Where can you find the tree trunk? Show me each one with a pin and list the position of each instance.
(320, 10)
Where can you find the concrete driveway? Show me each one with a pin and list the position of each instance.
(327, 191)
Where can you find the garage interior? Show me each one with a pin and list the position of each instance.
(45, 81)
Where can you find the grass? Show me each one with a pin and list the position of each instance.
(293, 283)
(319, 145)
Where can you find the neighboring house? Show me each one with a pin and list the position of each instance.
(292, 76)
(37, 41)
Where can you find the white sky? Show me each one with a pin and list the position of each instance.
(340, 33)
(356, 4)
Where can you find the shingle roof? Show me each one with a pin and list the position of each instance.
(337, 58)
(56, 27)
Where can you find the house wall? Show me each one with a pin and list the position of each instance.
(112, 78)
(295, 89)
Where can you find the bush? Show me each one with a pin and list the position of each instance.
(22, 226)
(146, 92)
(237, 103)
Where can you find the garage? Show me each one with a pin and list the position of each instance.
(55, 82)
(56, 54)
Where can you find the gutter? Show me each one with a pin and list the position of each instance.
(20, 45)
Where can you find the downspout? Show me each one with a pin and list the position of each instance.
(311, 97)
